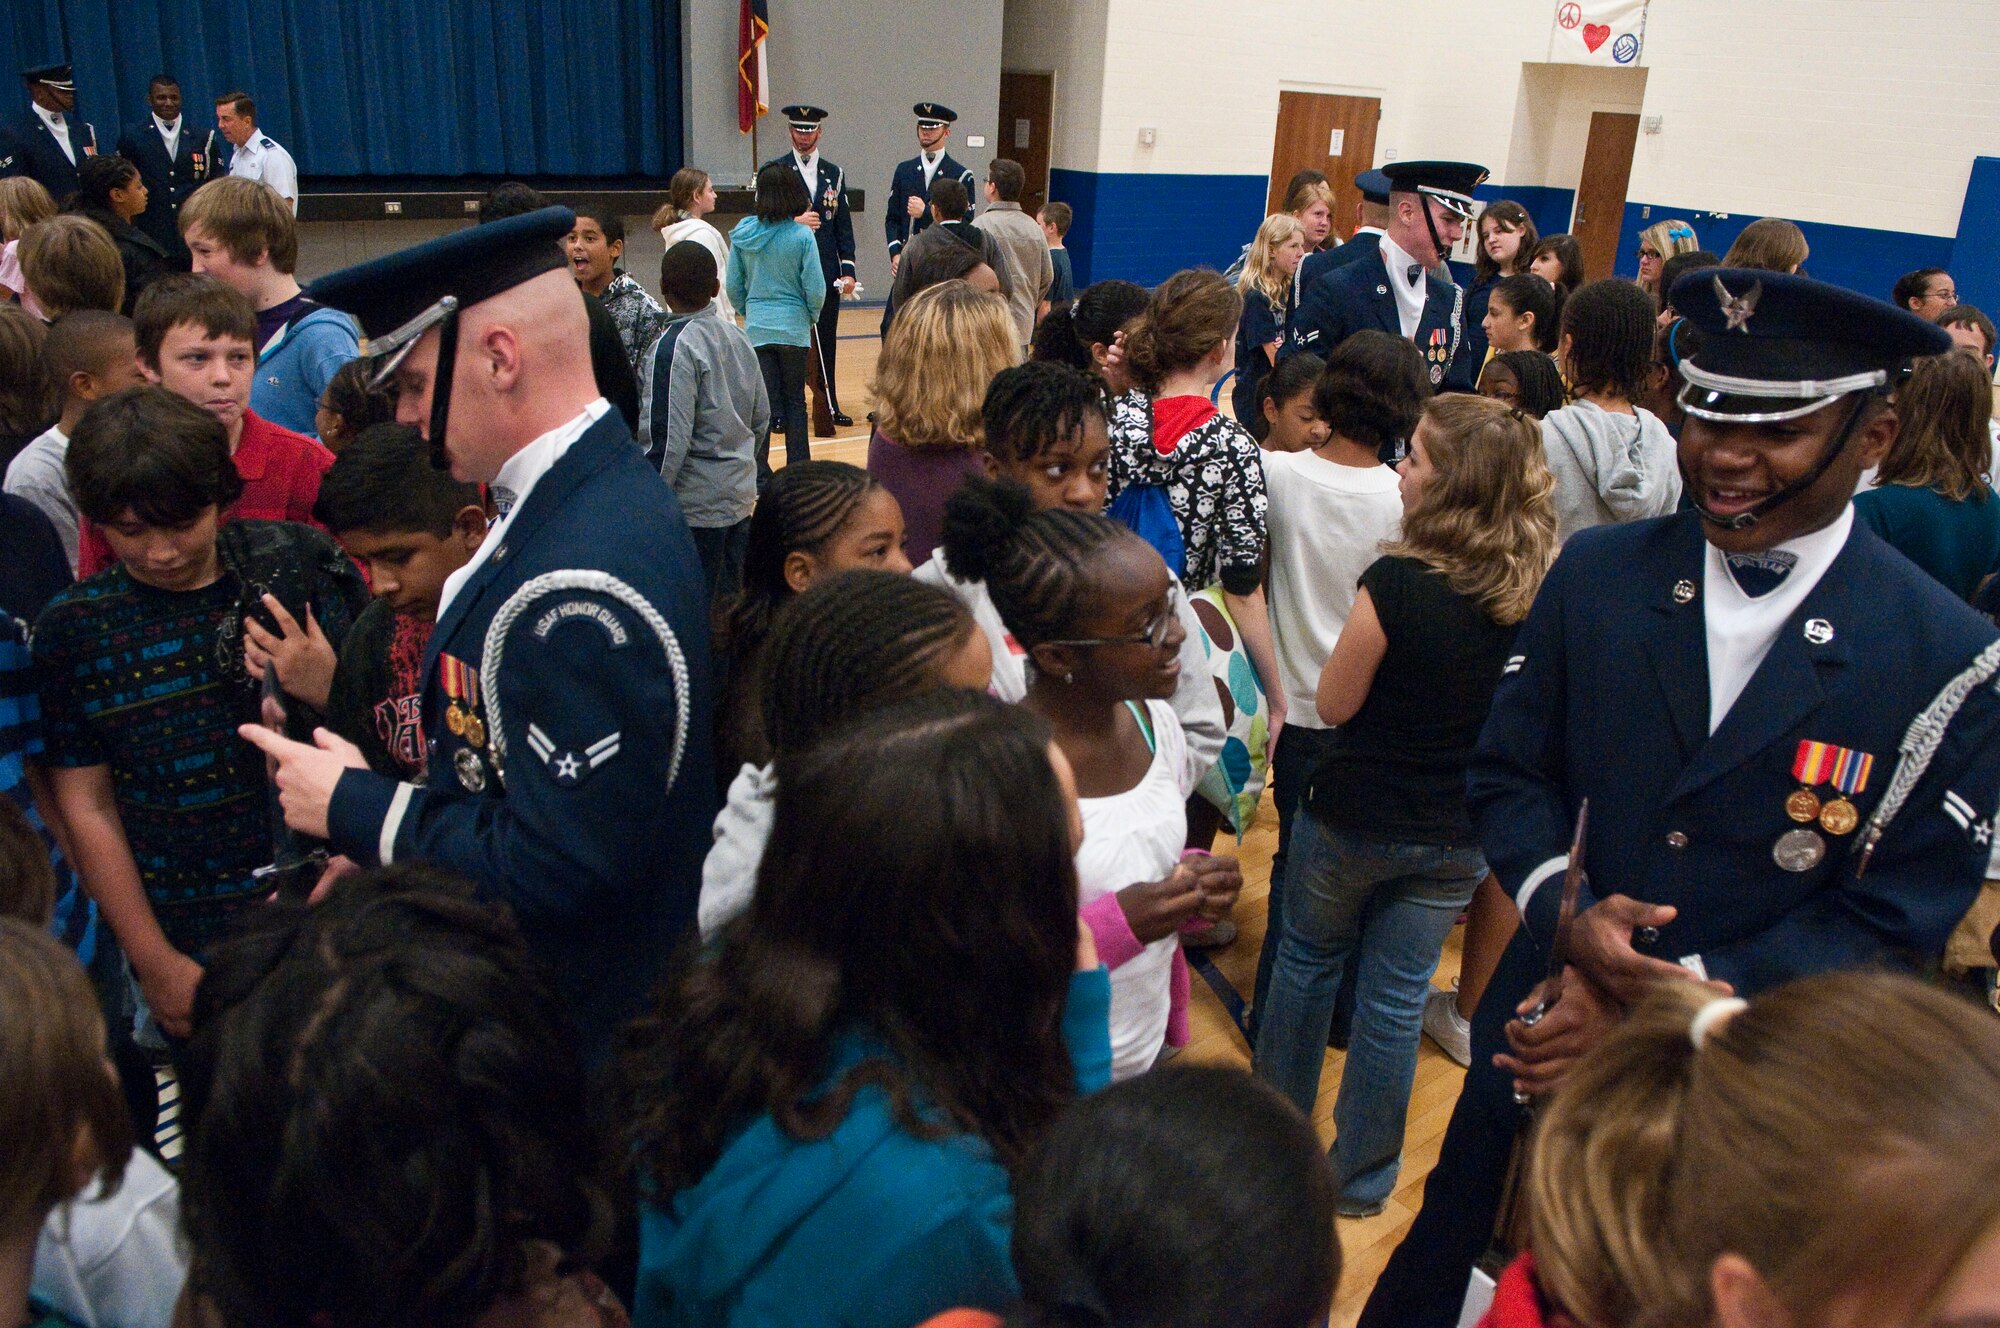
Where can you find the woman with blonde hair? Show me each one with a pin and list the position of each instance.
(23, 202)
(1770, 243)
(930, 385)
(1266, 287)
(1933, 499)
(1659, 242)
(1386, 858)
(1823, 1155)
(690, 198)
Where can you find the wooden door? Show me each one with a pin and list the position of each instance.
(1326, 133)
(1027, 119)
(1600, 195)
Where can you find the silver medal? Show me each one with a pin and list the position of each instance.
(1798, 850)
(471, 770)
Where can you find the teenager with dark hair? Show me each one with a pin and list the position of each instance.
(595, 244)
(168, 849)
(1506, 239)
(850, 644)
(1558, 260)
(110, 193)
(1045, 430)
(1521, 314)
(774, 276)
(1612, 458)
(1386, 857)
(1525, 379)
(1088, 335)
(816, 518)
(1332, 508)
(197, 338)
(90, 355)
(703, 413)
(826, 1110)
(1192, 1197)
(411, 526)
(1927, 292)
(387, 1121)
(1095, 610)
(1288, 418)
(352, 403)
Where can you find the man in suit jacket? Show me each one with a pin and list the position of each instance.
(833, 226)
(1400, 291)
(909, 212)
(48, 142)
(566, 694)
(174, 159)
(1736, 690)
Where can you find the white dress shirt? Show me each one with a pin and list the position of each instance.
(1742, 630)
(809, 171)
(58, 125)
(516, 480)
(171, 133)
(261, 159)
(930, 162)
(1409, 294)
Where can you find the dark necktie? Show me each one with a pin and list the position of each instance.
(1758, 574)
(1416, 270)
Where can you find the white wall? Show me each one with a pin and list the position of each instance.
(1552, 120)
(1068, 40)
(1858, 112)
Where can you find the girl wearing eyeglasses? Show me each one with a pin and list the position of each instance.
(1096, 611)
(1659, 242)
(1383, 857)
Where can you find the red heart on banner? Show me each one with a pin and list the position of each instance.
(1595, 35)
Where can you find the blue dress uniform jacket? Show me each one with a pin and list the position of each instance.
(169, 180)
(1323, 262)
(600, 864)
(1608, 698)
(835, 235)
(1356, 296)
(908, 183)
(27, 147)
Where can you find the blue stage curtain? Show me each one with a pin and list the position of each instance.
(385, 87)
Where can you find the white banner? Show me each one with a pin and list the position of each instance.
(1598, 32)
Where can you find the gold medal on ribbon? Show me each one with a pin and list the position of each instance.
(1839, 817)
(475, 731)
(1803, 806)
(454, 720)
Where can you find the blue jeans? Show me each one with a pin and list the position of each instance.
(1292, 768)
(1390, 905)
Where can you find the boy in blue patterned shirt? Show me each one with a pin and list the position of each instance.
(144, 683)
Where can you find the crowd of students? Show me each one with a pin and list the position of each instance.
(984, 706)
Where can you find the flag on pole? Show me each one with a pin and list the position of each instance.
(753, 73)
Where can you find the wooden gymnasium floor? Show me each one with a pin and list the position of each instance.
(1365, 1244)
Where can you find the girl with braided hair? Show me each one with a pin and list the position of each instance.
(851, 644)
(814, 519)
(1097, 613)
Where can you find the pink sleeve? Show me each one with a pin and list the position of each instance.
(1115, 942)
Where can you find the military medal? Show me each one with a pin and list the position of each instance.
(1850, 777)
(460, 682)
(475, 731)
(1798, 850)
(1803, 806)
(472, 771)
(454, 720)
(1812, 766)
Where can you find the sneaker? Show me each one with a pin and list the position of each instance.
(1451, 1031)
(1212, 937)
(1354, 1208)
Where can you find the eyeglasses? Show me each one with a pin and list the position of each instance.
(1155, 634)
(1645, 253)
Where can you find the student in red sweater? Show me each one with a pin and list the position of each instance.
(197, 338)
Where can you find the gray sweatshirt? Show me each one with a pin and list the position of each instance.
(1609, 468)
(702, 411)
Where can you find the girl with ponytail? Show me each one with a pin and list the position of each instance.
(1824, 1155)
(690, 198)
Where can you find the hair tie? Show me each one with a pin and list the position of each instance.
(1712, 1015)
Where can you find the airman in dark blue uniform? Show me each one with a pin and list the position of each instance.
(29, 144)
(170, 174)
(909, 214)
(566, 696)
(1788, 735)
(1399, 291)
(833, 227)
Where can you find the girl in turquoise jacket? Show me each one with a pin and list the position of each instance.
(828, 1108)
(774, 277)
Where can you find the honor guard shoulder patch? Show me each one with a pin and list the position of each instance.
(589, 610)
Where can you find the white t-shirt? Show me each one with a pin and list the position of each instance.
(1328, 523)
(1135, 836)
(711, 239)
(115, 1260)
